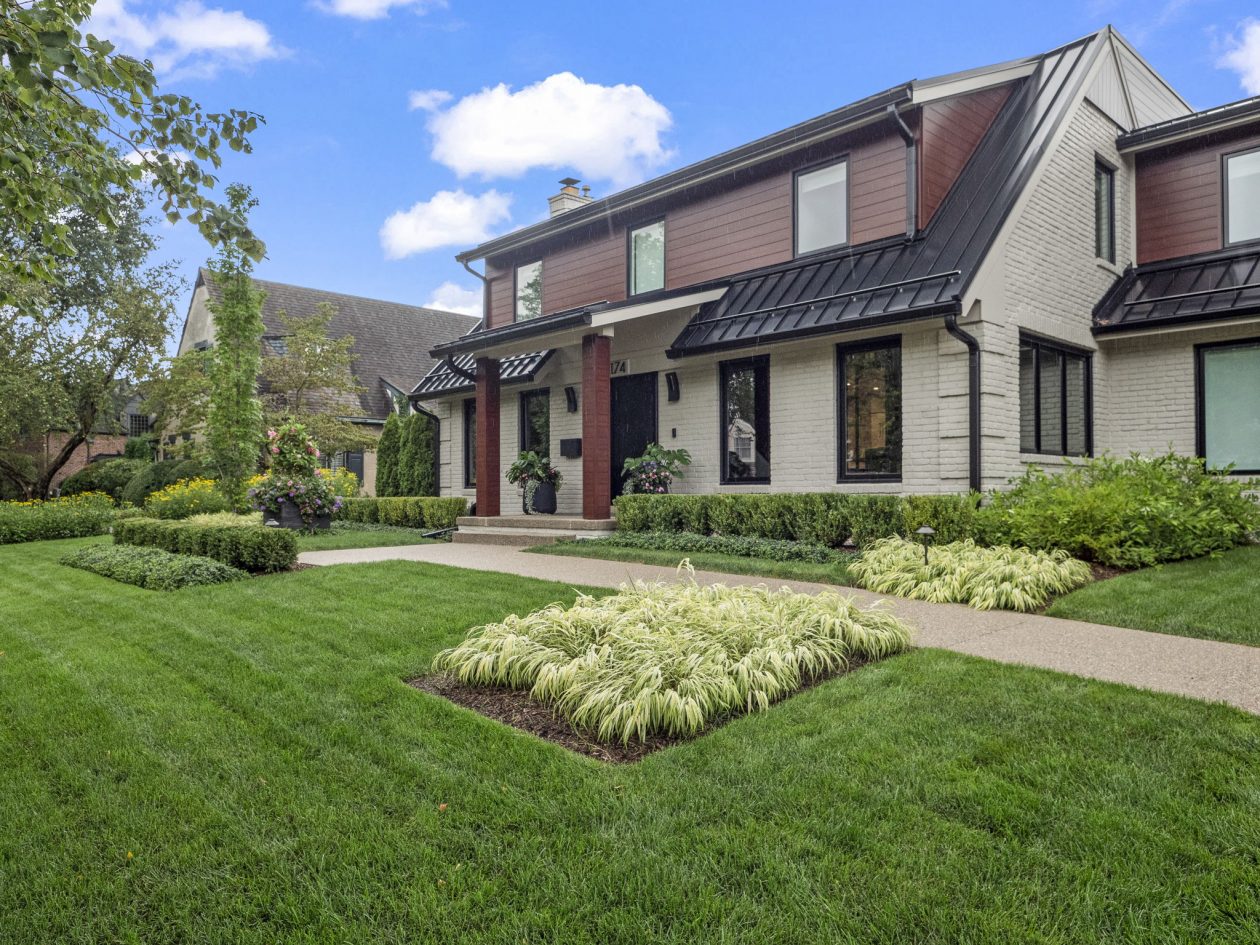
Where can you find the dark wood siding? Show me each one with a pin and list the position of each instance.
(950, 131)
(584, 272)
(500, 296)
(1179, 196)
(741, 228)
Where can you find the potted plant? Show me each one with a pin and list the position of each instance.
(654, 471)
(538, 480)
(294, 494)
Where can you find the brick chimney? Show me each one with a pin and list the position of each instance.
(569, 198)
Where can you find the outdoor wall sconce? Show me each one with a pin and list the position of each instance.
(926, 531)
(570, 399)
(671, 386)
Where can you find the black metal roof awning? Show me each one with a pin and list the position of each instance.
(1205, 287)
(442, 380)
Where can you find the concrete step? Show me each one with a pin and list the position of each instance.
(515, 540)
(565, 523)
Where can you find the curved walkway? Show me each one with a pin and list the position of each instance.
(1203, 669)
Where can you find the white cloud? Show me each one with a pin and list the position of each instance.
(452, 297)
(1242, 54)
(448, 218)
(428, 100)
(375, 9)
(603, 132)
(191, 41)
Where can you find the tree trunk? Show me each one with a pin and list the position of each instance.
(44, 483)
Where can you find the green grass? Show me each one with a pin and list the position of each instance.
(834, 573)
(255, 749)
(1211, 598)
(352, 535)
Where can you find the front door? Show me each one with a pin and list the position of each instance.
(633, 421)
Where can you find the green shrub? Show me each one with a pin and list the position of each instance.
(417, 456)
(427, 512)
(672, 658)
(742, 546)
(150, 568)
(185, 498)
(109, 476)
(89, 513)
(139, 447)
(159, 475)
(225, 519)
(1129, 512)
(965, 573)
(255, 548)
(387, 456)
(952, 516)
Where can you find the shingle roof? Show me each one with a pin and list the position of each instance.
(391, 340)
(1205, 287)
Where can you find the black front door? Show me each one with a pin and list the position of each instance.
(633, 420)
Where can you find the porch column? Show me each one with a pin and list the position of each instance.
(489, 470)
(596, 427)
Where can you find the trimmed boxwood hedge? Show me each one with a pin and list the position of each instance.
(150, 568)
(77, 516)
(404, 511)
(253, 548)
(817, 518)
(739, 546)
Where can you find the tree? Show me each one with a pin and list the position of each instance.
(70, 348)
(178, 395)
(80, 123)
(387, 456)
(234, 417)
(416, 456)
(311, 381)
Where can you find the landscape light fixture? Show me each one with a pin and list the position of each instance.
(927, 531)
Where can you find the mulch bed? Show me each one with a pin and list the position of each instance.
(514, 707)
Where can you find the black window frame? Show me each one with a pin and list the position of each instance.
(759, 362)
(470, 444)
(630, 231)
(1039, 344)
(842, 411)
(1225, 159)
(1107, 171)
(1200, 402)
(522, 417)
(516, 276)
(141, 421)
(848, 206)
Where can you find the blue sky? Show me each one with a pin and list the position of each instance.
(513, 96)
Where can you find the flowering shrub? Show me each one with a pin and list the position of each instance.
(652, 473)
(292, 451)
(312, 496)
(343, 482)
(88, 513)
(184, 498)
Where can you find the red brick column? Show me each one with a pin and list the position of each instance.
(489, 470)
(596, 427)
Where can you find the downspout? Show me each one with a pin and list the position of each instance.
(912, 171)
(485, 290)
(973, 400)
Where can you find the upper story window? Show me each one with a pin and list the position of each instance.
(139, 424)
(529, 290)
(1242, 197)
(822, 207)
(647, 258)
(1104, 211)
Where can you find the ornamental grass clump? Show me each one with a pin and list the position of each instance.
(999, 578)
(669, 659)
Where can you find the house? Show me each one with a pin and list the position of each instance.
(108, 439)
(391, 347)
(923, 291)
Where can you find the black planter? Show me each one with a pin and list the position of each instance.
(545, 498)
(290, 517)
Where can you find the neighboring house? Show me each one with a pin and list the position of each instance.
(108, 440)
(391, 347)
(923, 291)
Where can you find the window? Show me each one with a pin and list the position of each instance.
(138, 424)
(746, 420)
(529, 291)
(1242, 197)
(470, 443)
(1055, 408)
(822, 207)
(870, 410)
(647, 258)
(1104, 212)
(1228, 382)
(536, 421)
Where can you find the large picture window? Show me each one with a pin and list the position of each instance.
(1055, 408)
(529, 291)
(647, 258)
(1242, 197)
(746, 420)
(470, 443)
(1104, 212)
(536, 421)
(822, 207)
(1228, 377)
(870, 410)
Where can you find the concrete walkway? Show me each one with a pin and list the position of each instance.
(1203, 669)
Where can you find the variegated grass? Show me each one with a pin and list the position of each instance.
(670, 658)
(998, 578)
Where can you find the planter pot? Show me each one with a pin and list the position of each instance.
(545, 498)
(290, 517)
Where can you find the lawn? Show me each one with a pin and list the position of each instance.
(1212, 598)
(244, 763)
(353, 535)
(829, 573)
